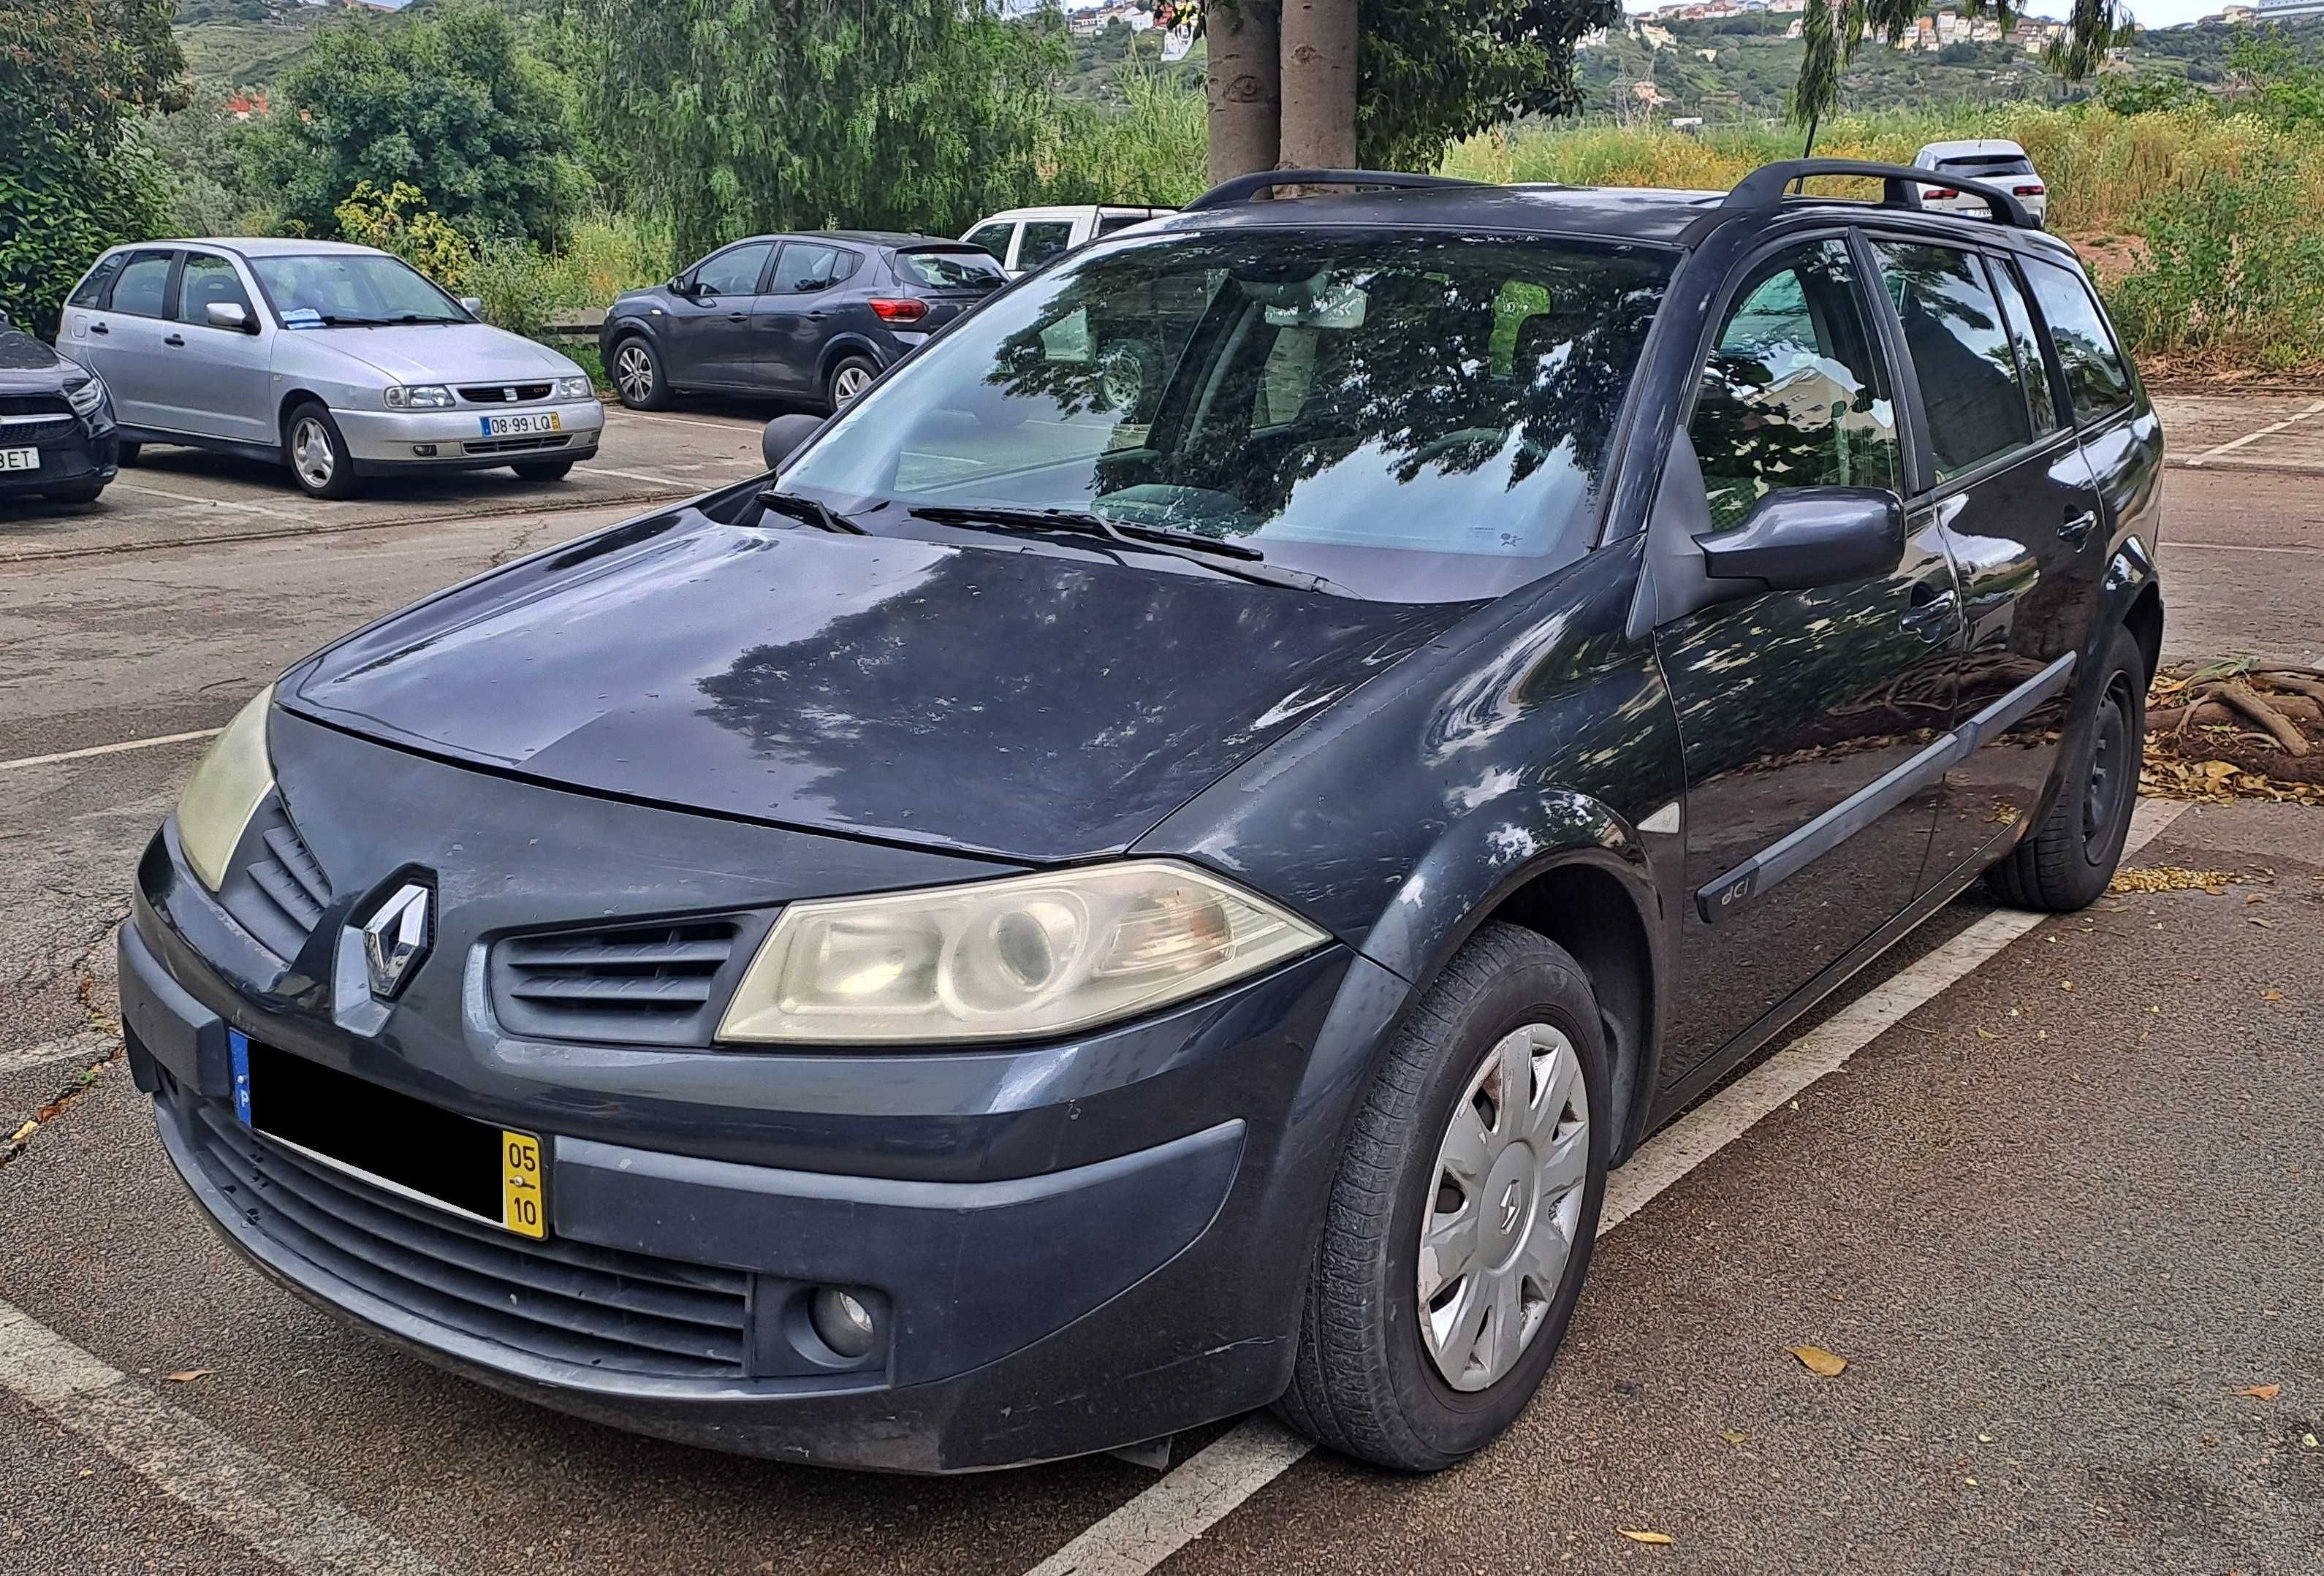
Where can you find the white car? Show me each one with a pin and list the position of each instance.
(1023, 239)
(340, 361)
(1995, 161)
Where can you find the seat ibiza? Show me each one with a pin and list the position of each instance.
(1046, 920)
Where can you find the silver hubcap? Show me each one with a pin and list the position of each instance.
(850, 381)
(1503, 1207)
(633, 370)
(1123, 379)
(311, 453)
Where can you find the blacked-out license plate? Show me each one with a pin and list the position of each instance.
(493, 1175)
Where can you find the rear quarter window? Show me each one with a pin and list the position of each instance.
(91, 290)
(2098, 377)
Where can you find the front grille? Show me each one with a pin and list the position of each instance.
(517, 445)
(34, 405)
(281, 893)
(570, 1302)
(37, 429)
(505, 394)
(656, 984)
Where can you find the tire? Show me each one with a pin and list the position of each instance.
(128, 453)
(2065, 862)
(1128, 370)
(636, 370)
(82, 494)
(543, 470)
(316, 454)
(850, 376)
(1371, 1380)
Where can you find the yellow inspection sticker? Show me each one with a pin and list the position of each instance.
(523, 1204)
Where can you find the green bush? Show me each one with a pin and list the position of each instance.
(60, 205)
(2233, 273)
(512, 280)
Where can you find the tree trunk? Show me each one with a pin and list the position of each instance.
(1319, 85)
(1246, 89)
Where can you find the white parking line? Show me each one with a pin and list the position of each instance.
(212, 502)
(1191, 1498)
(2273, 426)
(258, 1501)
(640, 476)
(736, 424)
(2171, 547)
(110, 749)
(88, 1045)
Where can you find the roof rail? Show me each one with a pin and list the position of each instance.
(1764, 187)
(1244, 187)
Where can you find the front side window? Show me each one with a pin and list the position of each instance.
(1961, 352)
(1418, 418)
(209, 278)
(2096, 377)
(803, 268)
(1044, 239)
(351, 290)
(734, 271)
(142, 289)
(1795, 394)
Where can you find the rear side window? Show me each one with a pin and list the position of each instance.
(2097, 379)
(1107, 224)
(1044, 239)
(952, 269)
(993, 238)
(2032, 369)
(140, 290)
(803, 268)
(1960, 351)
(1793, 394)
(91, 290)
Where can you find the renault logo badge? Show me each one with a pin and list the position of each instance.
(395, 939)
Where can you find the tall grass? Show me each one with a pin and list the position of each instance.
(1153, 148)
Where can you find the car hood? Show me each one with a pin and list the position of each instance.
(997, 699)
(448, 353)
(27, 367)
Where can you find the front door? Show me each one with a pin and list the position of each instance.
(2007, 484)
(708, 336)
(1795, 706)
(216, 383)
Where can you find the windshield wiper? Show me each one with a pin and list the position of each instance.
(808, 512)
(1246, 562)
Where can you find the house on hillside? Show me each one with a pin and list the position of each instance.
(248, 106)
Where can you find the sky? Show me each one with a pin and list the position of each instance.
(2147, 13)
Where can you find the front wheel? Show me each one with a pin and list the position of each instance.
(318, 455)
(543, 470)
(126, 454)
(1460, 1226)
(637, 377)
(84, 493)
(2065, 862)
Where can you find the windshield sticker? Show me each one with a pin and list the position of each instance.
(302, 318)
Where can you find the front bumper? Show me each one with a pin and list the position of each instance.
(1072, 1246)
(74, 461)
(396, 439)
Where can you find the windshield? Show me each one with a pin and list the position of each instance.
(1418, 418)
(352, 289)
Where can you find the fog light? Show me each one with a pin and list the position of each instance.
(426, 451)
(842, 1323)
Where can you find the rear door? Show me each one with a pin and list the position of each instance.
(709, 338)
(125, 339)
(2001, 477)
(2121, 437)
(1793, 704)
(798, 313)
(216, 383)
(1043, 242)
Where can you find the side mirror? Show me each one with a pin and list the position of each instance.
(784, 436)
(1805, 537)
(6, 322)
(472, 305)
(227, 315)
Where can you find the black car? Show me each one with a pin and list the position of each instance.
(815, 317)
(1050, 919)
(57, 437)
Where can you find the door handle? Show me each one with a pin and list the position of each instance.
(738, 317)
(177, 339)
(1931, 612)
(2078, 527)
(98, 328)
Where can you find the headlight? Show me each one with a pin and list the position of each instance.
(224, 791)
(1009, 959)
(574, 388)
(419, 397)
(85, 398)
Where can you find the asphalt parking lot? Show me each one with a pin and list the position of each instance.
(2051, 1188)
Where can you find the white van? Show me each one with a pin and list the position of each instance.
(1023, 239)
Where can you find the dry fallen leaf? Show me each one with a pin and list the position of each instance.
(26, 1132)
(2263, 1392)
(1816, 1360)
(1643, 1537)
(1731, 1437)
(2271, 996)
(188, 1375)
(2308, 1442)
(2065, 984)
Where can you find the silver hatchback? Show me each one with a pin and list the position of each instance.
(341, 361)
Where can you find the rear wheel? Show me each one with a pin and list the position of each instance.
(543, 470)
(637, 376)
(1460, 1227)
(849, 378)
(2066, 862)
(318, 455)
